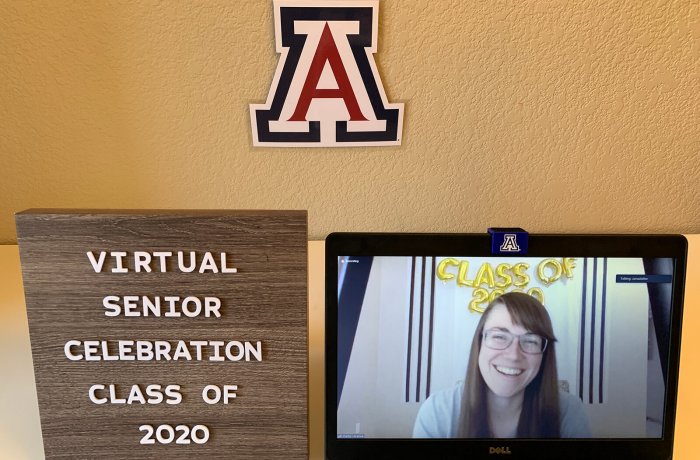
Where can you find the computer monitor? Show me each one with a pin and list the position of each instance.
(436, 348)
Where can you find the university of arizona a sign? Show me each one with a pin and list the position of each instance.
(326, 91)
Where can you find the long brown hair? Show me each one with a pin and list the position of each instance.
(539, 417)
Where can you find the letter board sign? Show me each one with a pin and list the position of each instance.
(174, 334)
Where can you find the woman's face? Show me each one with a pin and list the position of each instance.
(507, 372)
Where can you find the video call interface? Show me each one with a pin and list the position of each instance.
(569, 347)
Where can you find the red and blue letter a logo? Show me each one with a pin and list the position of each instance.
(326, 91)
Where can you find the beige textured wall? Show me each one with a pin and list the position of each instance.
(551, 115)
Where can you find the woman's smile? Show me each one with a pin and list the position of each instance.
(508, 371)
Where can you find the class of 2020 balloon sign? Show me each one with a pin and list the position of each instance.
(491, 282)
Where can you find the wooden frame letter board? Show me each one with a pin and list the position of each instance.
(168, 334)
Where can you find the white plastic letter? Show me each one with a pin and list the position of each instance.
(97, 264)
(162, 256)
(125, 351)
(69, 353)
(212, 305)
(257, 351)
(142, 260)
(224, 268)
(155, 394)
(131, 303)
(144, 350)
(174, 395)
(136, 395)
(216, 345)
(113, 395)
(217, 394)
(198, 344)
(208, 263)
(119, 259)
(239, 350)
(181, 262)
(195, 310)
(91, 350)
(229, 393)
(93, 396)
(110, 303)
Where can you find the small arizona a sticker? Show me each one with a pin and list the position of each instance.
(326, 91)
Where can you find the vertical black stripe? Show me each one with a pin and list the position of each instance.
(602, 331)
(350, 304)
(430, 332)
(660, 295)
(420, 329)
(592, 354)
(583, 328)
(410, 328)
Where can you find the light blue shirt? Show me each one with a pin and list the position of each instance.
(438, 416)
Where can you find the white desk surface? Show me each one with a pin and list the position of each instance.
(20, 430)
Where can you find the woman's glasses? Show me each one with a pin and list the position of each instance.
(531, 344)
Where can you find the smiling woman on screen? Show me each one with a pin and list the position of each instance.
(511, 388)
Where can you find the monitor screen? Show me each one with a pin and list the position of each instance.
(462, 346)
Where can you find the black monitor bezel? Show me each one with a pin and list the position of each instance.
(475, 245)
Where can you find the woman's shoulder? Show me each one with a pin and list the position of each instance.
(450, 395)
(568, 400)
(446, 401)
(573, 418)
(438, 416)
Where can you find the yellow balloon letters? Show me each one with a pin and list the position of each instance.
(485, 276)
(502, 272)
(537, 293)
(556, 271)
(442, 268)
(479, 296)
(463, 275)
(520, 271)
(569, 265)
